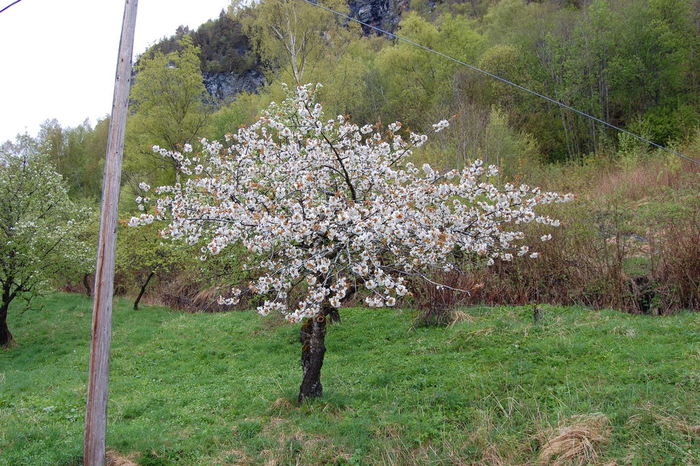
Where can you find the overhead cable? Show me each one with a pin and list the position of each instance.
(8, 6)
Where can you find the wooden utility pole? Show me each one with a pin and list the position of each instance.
(96, 412)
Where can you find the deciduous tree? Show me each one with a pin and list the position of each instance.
(143, 255)
(288, 34)
(169, 110)
(39, 228)
(334, 209)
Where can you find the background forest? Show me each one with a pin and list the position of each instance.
(632, 238)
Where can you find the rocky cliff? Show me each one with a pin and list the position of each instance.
(384, 14)
(224, 87)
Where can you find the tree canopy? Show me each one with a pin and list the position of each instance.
(40, 231)
(168, 109)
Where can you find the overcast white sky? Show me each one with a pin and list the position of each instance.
(58, 57)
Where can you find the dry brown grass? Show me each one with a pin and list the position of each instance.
(574, 441)
(281, 406)
(641, 180)
(292, 445)
(491, 457)
(115, 458)
(670, 421)
(457, 317)
(437, 302)
(303, 448)
(231, 458)
(676, 423)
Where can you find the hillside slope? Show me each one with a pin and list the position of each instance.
(220, 388)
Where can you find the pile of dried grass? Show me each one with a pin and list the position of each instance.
(574, 441)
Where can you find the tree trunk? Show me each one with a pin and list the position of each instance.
(86, 284)
(5, 335)
(313, 348)
(143, 290)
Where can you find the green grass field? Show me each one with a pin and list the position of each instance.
(492, 389)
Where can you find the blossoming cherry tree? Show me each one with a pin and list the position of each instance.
(333, 209)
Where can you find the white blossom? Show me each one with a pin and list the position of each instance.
(440, 125)
(338, 208)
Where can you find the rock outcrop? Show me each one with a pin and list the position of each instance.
(223, 87)
(384, 14)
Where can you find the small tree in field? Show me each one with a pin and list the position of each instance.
(39, 229)
(143, 255)
(334, 209)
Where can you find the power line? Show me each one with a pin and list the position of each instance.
(8, 6)
(503, 80)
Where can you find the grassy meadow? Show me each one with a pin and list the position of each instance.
(600, 387)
